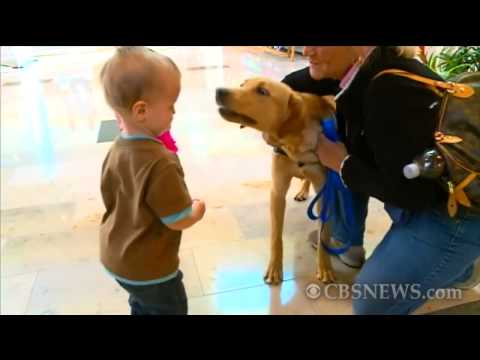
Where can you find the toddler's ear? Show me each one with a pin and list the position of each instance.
(139, 110)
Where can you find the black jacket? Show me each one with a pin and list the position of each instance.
(384, 124)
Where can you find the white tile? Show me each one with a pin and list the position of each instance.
(40, 251)
(240, 264)
(191, 279)
(285, 299)
(79, 289)
(15, 293)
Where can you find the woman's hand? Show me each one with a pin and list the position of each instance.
(331, 154)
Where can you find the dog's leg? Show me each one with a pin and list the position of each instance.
(281, 177)
(303, 193)
(324, 264)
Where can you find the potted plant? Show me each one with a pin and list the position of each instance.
(450, 62)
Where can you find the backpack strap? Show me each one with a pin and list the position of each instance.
(456, 193)
(456, 89)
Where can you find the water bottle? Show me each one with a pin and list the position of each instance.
(429, 165)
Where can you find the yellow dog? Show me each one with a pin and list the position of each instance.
(290, 121)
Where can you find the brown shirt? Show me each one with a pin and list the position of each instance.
(141, 182)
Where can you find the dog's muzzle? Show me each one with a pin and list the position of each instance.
(221, 95)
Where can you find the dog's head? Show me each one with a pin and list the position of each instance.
(259, 103)
(270, 107)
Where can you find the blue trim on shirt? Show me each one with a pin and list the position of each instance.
(137, 137)
(177, 217)
(143, 283)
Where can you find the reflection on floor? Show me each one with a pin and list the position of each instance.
(51, 112)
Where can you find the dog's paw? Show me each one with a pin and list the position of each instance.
(325, 275)
(274, 274)
(301, 196)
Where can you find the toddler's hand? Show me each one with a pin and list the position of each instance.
(198, 207)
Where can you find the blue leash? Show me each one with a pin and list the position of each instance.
(334, 194)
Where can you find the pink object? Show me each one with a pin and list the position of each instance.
(167, 140)
(353, 70)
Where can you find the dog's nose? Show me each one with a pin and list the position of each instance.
(221, 95)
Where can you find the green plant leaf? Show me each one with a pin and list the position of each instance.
(455, 61)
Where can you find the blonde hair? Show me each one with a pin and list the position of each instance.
(408, 52)
(131, 75)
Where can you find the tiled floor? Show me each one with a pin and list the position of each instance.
(50, 203)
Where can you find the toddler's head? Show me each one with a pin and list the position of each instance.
(142, 87)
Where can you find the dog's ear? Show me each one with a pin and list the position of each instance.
(294, 121)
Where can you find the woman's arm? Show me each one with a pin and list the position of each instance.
(400, 122)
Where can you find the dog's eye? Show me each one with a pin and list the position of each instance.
(262, 91)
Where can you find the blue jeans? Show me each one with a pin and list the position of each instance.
(422, 249)
(168, 298)
(342, 231)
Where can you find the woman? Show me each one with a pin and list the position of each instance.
(384, 123)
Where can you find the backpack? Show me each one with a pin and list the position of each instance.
(457, 136)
